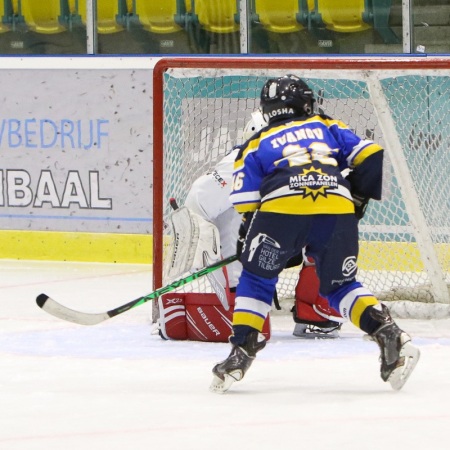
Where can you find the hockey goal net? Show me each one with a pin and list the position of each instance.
(201, 106)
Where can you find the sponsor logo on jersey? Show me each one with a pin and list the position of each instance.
(341, 282)
(313, 182)
(217, 177)
(349, 266)
(268, 252)
(260, 239)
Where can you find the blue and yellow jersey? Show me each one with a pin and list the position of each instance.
(294, 167)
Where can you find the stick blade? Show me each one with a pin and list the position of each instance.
(41, 299)
(54, 308)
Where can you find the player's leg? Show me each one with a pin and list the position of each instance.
(269, 243)
(337, 267)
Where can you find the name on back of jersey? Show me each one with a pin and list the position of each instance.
(297, 135)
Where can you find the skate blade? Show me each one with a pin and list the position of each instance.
(219, 386)
(315, 335)
(401, 374)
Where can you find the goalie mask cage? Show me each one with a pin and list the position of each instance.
(201, 106)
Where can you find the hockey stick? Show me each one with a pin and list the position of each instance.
(82, 318)
(223, 293)
(173, 203)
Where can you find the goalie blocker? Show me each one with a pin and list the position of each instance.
(197, 317)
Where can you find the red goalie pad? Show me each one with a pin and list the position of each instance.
(197, 317)
(308, 300)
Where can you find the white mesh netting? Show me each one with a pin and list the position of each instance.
(405, 238)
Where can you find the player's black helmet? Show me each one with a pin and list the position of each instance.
(286, 97)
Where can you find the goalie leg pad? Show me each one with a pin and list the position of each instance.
(206, 318)
(194, 316)
(309, 303)
(307, 289)
(310, 323)
(304, 313)
(198, 317)
(208, 321)
(172, 320)
(193, 236)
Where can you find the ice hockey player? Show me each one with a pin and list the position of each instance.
(209, 199)
(288, 184)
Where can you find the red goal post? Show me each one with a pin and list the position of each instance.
(200, 106)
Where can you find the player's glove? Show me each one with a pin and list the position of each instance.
(243, 228)
(361, 204)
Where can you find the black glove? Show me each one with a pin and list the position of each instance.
(361, 204)
(243, 228)
(294, 261)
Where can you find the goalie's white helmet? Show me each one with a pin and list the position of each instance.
(255, 124)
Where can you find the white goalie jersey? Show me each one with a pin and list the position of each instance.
(209, 198)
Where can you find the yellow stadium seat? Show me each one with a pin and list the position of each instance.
(344, 16)
(42, 16)
(107, 11)
(280, 16)
(3, 14)
(158, 16)
(217, 16)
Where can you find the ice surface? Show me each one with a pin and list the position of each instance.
(116, 386)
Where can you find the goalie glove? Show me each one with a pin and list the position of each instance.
(361, 204)
(243, 229)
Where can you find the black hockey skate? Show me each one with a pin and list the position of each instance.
(238, 362)
(398, 356)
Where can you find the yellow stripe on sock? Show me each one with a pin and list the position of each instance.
(360, 306)
(249, 319)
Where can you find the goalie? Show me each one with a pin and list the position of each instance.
(208, 217)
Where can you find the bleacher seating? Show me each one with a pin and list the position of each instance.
(5, 18)
(281, 16)
(158, 16)
(159, 27)
(343, 17)
(212, 26)
(353, 16)
(42, 16)
(217, 16)
(107, 14)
